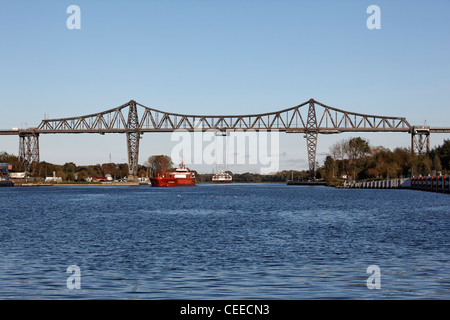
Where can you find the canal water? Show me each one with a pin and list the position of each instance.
(236, 241)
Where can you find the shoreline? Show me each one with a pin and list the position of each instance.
(37, 184)
(116, 184)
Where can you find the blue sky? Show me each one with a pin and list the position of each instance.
(220, 57)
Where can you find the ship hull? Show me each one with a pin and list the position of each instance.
(172, 182)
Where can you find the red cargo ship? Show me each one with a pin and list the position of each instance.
(181, 177)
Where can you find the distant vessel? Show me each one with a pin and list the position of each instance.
(181, 177)
(99, 179)
(222, 177)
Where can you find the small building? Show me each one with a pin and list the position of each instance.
(54, 178)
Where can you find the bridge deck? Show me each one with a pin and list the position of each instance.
(150, 130)
(9, 132)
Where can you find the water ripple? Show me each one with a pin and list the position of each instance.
(261, 241)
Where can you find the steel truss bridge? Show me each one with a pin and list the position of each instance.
(133, 119)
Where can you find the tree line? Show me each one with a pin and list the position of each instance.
(160, 164)
(70, 171)
(352, 158)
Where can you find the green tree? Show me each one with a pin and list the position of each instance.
(444, 155)
(69, 169)
(404, 158)
(82, 173)
(422, 165)
(330, 168)
(356, 148)
(142, 171)
(436, 165)
(11, 159)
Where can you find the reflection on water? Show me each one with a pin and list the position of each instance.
(237, 241)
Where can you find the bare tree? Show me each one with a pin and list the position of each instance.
(337, 150)
(159, 164)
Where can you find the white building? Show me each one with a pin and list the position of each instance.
(53, 179)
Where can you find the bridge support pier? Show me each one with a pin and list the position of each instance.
(311, 142)
(29, 151)
(311, 138)
(133, 137)
(420, 140)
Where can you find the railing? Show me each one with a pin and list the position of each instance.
(431, 184)
(402, 183)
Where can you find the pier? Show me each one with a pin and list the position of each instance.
(433, 184)
(439, 184)
(306, 183)
(402, 183)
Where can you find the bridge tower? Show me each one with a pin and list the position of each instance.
(311, 138)
(420, 140)
(133, 137)
(29, 150)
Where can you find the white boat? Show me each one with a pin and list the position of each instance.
(222, 177)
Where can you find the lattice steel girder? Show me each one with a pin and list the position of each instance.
(311, 143)
(133, 137)
(311, 137)
(310, 117)
(29, 150)
(328, 119)
(133, 152)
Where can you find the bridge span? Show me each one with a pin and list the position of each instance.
(133, 119)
